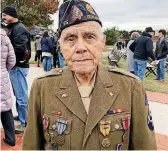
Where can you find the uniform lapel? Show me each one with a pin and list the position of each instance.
(69, 95)
(103, 97)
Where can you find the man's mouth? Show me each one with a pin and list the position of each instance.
(82, 60)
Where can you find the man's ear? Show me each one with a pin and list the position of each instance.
(104, 39)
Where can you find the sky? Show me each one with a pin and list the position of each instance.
(130, 14)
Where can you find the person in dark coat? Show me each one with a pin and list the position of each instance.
(47, 51)
(161, 55)
(143, 48)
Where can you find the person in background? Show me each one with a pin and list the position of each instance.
(8, 61)
(60, 57)
(20, 39)
(47, 51)
(130, 60)
(143, 49)
(161, 55)
(55, 53)
(38, 54)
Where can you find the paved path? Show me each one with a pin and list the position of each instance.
(158, 104)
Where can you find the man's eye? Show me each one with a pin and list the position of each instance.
(70, 39)
(89, 37)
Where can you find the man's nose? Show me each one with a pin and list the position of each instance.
(81, 47)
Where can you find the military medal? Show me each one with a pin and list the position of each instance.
(57, 113)
(105, 127)
(126, 122)
(60, 140)
(119, 146)
(125, 137)
(106, 143)
(61, 126)
(54, 127)
(115, 111)
(54, 146)
(45, 122)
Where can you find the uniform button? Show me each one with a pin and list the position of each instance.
(60, 71)
(64, 95)
(60, 140)
(111, 94)
(117, 126)
(106, 143)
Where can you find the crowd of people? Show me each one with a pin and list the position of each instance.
(86, 105)
(47, 51)
(140, 49)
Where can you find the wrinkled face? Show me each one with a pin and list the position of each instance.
(7, 19)
(81, 46)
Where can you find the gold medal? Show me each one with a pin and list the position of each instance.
(60, 140)
(106, 143)
(105, 127)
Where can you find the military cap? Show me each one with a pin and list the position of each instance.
(73, 12)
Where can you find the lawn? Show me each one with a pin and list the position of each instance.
(149, 83)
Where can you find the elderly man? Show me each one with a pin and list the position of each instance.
(86, 105)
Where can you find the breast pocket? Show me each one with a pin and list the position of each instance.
(114, 131)
(57, 132)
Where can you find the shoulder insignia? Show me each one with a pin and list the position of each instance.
(55, 72)
(121, 71)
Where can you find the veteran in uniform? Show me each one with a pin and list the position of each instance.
(87, 106)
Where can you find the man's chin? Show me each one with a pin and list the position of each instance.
(83, 70)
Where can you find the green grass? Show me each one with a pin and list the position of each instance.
(108, 47)
(149, 83)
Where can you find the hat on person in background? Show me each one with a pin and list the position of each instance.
(11, 11)
(149, 29)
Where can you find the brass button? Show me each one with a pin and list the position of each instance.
(111, 94)
(60, 71)
(106, 143)
(117, 126)
(64, 95)
(60, 140)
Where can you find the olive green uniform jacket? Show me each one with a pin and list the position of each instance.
(55, 96)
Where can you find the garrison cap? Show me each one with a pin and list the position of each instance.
(73, 12)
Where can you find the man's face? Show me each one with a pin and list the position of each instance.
(7, 19)
(160, 34)
(81, 46)
(151, 33)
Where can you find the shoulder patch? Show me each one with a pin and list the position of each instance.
(55, 72)
(121, 71)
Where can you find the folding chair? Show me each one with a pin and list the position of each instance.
(150, 69)
(114, 58)
(166, 66)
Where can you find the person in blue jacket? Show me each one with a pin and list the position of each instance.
(47, 51)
